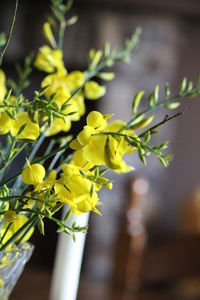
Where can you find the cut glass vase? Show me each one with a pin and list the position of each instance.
(12, 264)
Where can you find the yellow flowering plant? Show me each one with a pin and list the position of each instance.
(71, 171)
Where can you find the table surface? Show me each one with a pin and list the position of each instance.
(35, 284)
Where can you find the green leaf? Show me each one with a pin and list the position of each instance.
(189, 87)
(108, 76)
(163, 145)
(143, 123)
(21, 129)
(172, 105)
(136, 101)
(167, 90)
(141, 153)
(106, 49)
(147, 137)
(56, 208)
(153, 98)
(68, 214)
(74, 237)
(11, 114)
(72, 21)
(92, 190)
(102, 172)
(41, 226)
(183, 86)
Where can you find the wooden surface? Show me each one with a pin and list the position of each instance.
(35, 285)
(32, 285)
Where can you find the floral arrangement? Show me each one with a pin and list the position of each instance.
(71, 171)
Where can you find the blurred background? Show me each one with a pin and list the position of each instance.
(170, 205)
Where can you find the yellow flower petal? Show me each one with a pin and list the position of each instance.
(80, 161)
(33, 174)
(48, 34)
(85, 135)
(96, 120)
(94, 151)
(74, 80)
(75, 145)
(93, 90)
(49, 60)
(59, 125)
(5, 123)
(31, 130)
(63, 194)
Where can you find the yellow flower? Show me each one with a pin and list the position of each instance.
(5, 123)
(94, 148)
(49, 60)
(48, 183)
(56, 84)
(93, 90)
(96, 122)
(31, 130)
(80, 160)
(114, 151)
(17, 222)
(74, 79)
(62, 85)
(33, 174)
(79, 199)
(3, 89)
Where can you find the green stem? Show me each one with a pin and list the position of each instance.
(3, 236)
(160, 104)
(61, 33)
(33, 224)
(21, 197)
(164, 121)
(105, 63)
(9, 34)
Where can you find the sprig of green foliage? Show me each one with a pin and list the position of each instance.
(140, 118)
(59, 19)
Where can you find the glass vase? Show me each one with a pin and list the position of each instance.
(12, 263)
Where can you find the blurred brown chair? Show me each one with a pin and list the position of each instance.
(169, 270)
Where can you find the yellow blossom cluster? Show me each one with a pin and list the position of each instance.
(93, 147)
(13, 125)
(63, 85)
(71, 188)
